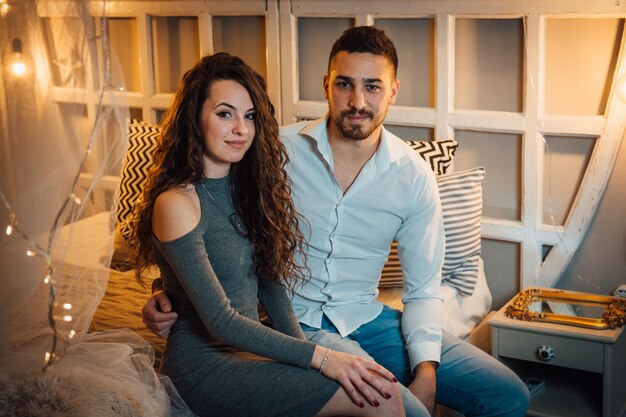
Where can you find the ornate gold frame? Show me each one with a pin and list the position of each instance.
(614, 314)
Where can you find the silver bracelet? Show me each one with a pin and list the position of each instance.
(324, 361)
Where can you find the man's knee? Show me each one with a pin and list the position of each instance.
(336, 342)
(518, 396)
(412, 406)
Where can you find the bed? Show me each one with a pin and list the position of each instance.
(466, 295)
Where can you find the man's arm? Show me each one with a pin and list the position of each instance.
(421, 246)
(157, 313)
(425, 383)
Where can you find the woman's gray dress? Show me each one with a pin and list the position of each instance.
(222, 360)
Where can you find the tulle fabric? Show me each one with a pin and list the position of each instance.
(46, 144)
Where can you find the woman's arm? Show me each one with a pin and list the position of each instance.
(175, 224)
(275, 301)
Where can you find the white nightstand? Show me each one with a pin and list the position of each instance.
(585, 378)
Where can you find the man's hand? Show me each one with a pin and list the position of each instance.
(157, 313)
(424, 386)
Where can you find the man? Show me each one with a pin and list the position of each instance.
(359, 187)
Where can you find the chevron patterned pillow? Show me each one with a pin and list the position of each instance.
(438, 153)
(142, 140)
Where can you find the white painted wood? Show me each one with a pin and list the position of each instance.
(272, 41)
(487, 120)
(181, 8)
(364, 19)
(572, 125)
(161, 101)
(281, 30)
(205, 31)
(106, 186)
(289, 64)
(565, 397)
(405, 115)
(532, 161)
(144, 35)
(482, 7)
(592, 187)
(444, 75)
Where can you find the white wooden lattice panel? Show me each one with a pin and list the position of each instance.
(531, 233)
(281, 37)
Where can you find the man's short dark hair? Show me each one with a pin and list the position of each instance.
(366, 39)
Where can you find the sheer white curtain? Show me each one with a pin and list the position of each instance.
(58, 120)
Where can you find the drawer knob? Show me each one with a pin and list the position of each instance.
(545, 353)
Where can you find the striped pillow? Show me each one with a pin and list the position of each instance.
(461, 203)
(438, 153)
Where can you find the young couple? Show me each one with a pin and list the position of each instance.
(228, 229)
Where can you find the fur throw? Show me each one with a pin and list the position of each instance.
(74, 393)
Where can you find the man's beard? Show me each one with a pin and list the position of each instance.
(355, 132)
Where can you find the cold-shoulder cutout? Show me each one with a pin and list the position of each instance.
(176, 212)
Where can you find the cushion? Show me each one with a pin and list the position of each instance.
(142, 140)
(438, 153)
(460, 313)
(461, 203)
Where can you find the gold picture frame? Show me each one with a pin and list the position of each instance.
(613, 316)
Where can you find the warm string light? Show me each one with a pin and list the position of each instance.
(55, 354)
(18, 65)
(14, 229)
(4, 8)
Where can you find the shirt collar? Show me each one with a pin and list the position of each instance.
(389, 149)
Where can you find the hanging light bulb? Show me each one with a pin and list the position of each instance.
(18, 66)
(620, 88)
(4, 8)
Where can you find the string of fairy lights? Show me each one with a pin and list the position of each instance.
(59, 311)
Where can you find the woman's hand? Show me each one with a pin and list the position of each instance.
(359, 377)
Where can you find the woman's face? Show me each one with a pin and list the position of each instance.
(227, 123)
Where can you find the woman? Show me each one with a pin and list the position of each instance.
(218, 221)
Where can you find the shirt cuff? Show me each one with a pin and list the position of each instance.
(424, 351)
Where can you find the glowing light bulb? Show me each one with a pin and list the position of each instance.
(18, 66)
(9, 230)
(67, 318)
(47, 356)
(46, 280)
(620, 88)
(67, 306)
(30, 253)
(4, 8)
(72, 334)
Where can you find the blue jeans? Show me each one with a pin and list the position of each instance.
(468, 380)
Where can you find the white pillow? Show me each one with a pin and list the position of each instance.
(461, 313)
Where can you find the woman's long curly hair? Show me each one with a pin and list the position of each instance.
(260, 186)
